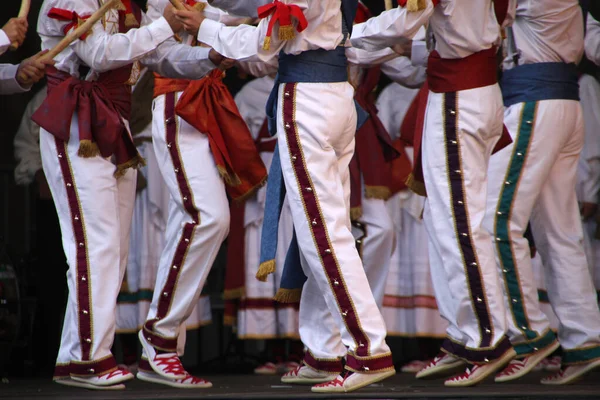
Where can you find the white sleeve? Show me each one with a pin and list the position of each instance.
(243, 8)
(8, 80)
(401, 70)
(4, 42)
(389, 28)
(27, 143)
(591, 185)
(365, 58)
(176, 60)
(592, 40)
(257, 68)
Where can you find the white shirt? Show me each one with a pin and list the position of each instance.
(547, 31)
(460, 27)
(401, 70)
(246, 8)
(106, 49)
(592, 40)
(4, 42)
(8, 80)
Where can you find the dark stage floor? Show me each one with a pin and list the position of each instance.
(257, 387)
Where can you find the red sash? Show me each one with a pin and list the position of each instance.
(208, 106)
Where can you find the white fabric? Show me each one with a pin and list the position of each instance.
(401, 70)
(106, 49)
(8, 80)
(326, 136)
(538, 270)
(243, 8)
(4, 42)
(27, 143)
(547, 31)
(592, 40)
(208, 196)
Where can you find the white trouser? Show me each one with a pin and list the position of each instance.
(534, 178)
(95, 210)
(316, 144)
(460, 132)
(198, 221)
(377, 245)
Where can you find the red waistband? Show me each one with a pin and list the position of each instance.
(452, 75)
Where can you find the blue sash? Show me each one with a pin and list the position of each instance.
(540, 81)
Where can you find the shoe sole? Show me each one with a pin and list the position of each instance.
(72, 383)
(537, 358)
(574, 377)
(342, 389)
(307, 381)
(147, 377)
(436, 372)
(493, 367)
(150, 350)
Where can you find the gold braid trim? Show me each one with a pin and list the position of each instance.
(265, 269)
(378, 192)
(416, 186)
(135, 163)
(288, 295)
(234, 294)
(88, 149)
(251, 192)
(355, 213)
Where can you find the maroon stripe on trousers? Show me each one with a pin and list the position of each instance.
(94, 368)
(166, 295)
(369, 364)
(316, 223)
(82, 276)
(321, 364)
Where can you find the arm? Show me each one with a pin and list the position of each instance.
(257, 68)
(13, 31)
(389, 28)
(243, 8)
(365, 58)
(4, 42)
(592, 40)
(26, 143)
(402, 71)
(8, 80)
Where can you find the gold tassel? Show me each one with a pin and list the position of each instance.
(377, 192)
(88, 149)
(416, 5)
(131, 21)
(287, 32)
(119, 6)
(230, 179)
(416, 186)
(355, 213)
(288, 295)
(233, 294)
(265, 269)
(251, 192)
(229, 320)
(267, 43)
(135, 163)
(199, 6)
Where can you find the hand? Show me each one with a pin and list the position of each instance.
(588, 210)
(220, 61)
(32, 69)
(169, 15)
(404, 48)
(191, 19)
(16, 29)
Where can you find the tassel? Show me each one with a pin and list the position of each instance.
(286, 32)
(230, 179)
(416, 186)
(130, 21)
(199, 6)
(355, 213)
(88, 149)
(234, 294)
(228, 320)
(135, 163)
(416, 5)
(288, 295)
(251, 192)
(378, 192)
(267, 43)
(265, 269)
(119, 6)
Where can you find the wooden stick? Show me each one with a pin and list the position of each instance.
(178, 5)
(388, 5)
(23, 12)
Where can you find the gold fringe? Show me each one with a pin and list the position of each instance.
(230, 179)
(416, 5)
(267, 43)
(200, 6)
(88, 149)
(131, 21)
(287, 32)
(233, 294)
(229, 320)
(415, 186)
(251, 192)
(265, 269)
(355, 213)
(135, 163)
(288, 295)
(119, 6)
(378, 192)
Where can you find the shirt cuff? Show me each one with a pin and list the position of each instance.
(419, 53)
(9, 83)
(208, 32)
(160, 30)
(4, 42)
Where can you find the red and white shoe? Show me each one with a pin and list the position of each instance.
(478, 373)
(414, 366)
(552, 364)
(267, 369)
(72, 383)
(287, 366)
(307, 375)
(189, 382)
(442, 364)
(519, 368)
(167, 365)
(350, 381)
(571, 373)
(111, 378)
